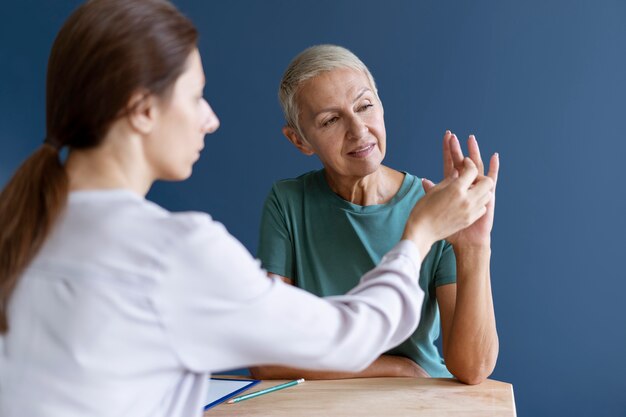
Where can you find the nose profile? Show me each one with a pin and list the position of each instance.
(212, 122)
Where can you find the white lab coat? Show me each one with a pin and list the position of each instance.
(128, 308)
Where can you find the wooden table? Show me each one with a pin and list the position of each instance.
(381, 397)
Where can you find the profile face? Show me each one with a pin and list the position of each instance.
(183, 120)
(342, 121)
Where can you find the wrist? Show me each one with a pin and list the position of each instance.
(421, 236)
(471, 260)
(472, 248)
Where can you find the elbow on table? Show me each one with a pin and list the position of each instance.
(471, 369)
(472, 379)
(472, 375)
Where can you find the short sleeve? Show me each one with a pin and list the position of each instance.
(445, 272)
(276, 249)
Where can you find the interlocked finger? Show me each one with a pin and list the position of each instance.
(482, 190)
(468, 175)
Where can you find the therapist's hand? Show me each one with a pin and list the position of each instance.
(452, 205)
(478, 234)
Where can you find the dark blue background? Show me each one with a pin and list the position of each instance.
(541, 82)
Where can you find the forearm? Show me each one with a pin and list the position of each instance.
(384, 366)
(471, 350)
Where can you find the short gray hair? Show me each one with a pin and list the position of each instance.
(309, 63)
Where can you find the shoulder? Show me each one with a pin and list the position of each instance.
(294, 186)
(414, 182)
(411, 190)
(134, 225)
(192, 226)
(157, 224)
(291, 193)
(198, 246)
(188, 221)
(129, 235)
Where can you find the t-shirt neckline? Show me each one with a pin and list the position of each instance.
(406, 185)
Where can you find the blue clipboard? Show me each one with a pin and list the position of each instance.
(221, 389)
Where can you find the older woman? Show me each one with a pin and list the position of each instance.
(322, 230)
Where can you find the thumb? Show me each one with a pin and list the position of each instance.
(427, 184)
(469, 173)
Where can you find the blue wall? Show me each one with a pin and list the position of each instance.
(541, 82)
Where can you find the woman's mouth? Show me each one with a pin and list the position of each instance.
(362, 152)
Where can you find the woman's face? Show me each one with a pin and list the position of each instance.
(342, 121)
(184, 119)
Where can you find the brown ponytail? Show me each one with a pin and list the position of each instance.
(106, 51)
(29, 205)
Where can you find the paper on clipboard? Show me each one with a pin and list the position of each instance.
(221, 389)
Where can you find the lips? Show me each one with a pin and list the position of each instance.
(362, 151)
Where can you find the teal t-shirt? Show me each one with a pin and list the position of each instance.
(326, 244)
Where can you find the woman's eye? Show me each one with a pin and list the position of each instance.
(330, 121)
(365, 106)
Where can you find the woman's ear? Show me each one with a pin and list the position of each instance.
(298, 141)
(142, 112)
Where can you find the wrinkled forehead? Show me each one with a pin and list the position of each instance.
(332, 88)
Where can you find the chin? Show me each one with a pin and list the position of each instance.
(186, 174)
(179, 175)
(366, 168)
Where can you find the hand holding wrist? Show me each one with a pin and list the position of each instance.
(420, 234)
(448, 207)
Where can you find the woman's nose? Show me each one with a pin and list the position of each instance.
(357, 128)
(212, 123)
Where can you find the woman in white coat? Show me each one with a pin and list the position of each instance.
(109, 304)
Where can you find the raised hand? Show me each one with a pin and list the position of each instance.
(479, 232)
(454, 204)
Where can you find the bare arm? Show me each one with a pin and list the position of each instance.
(384, 366)
(470, 339)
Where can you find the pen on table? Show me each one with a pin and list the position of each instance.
(265, 391)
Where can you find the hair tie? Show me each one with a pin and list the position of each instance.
(50, 141)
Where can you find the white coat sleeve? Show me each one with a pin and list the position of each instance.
(220, 311)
